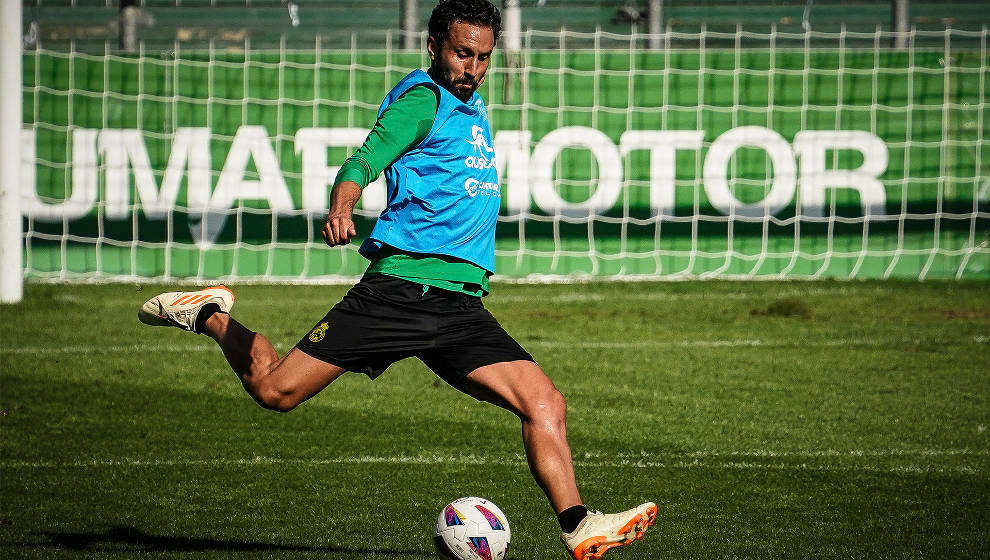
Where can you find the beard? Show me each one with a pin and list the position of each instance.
(460, 87)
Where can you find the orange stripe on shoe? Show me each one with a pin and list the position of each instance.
(181, 299)
(199, 299)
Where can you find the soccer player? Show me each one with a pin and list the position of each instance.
(431, 251)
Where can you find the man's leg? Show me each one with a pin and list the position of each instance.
(522, 388)
(275, 383)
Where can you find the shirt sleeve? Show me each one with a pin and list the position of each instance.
(403, 125)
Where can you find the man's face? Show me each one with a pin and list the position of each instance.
(460, 63)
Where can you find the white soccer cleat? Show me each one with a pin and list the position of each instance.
(180, 309)
(598, 532)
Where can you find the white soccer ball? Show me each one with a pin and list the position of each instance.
(472, 529)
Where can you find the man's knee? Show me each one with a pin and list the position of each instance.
(273, 397)
(547, 405)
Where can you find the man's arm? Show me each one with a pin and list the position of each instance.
(339, 228)
(403, 125)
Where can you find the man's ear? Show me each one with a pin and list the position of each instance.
(432, 48)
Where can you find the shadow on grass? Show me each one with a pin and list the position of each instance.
(129, 539)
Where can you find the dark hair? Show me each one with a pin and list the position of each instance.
(478, 12)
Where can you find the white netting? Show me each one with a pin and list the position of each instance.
(722, 154)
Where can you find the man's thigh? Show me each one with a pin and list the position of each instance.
(468, 341)
(516, 386)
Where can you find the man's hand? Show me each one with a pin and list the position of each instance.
(339, 228)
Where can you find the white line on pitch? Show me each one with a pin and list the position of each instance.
(886, 343)
(648, 344)
(467, 460)
(132, 348)
(802, 453)
(664, 296)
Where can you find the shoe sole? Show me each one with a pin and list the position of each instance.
(594, 548)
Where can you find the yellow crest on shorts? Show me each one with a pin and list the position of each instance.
(319, 332)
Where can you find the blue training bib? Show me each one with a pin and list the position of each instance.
(443, 195)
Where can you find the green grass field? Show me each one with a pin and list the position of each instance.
(768, 420)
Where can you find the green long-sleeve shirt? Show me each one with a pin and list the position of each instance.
(403, 125)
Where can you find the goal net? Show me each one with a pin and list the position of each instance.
(741, 155)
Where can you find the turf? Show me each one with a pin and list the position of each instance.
(768, 420)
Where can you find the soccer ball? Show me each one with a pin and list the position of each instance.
(472, 529)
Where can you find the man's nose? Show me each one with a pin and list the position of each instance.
(470, 67)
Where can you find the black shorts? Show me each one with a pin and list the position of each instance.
(384, 319)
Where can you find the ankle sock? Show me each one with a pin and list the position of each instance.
(571, 517)
(205, 313)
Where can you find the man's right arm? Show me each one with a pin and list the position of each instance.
(403, 125)
(339, 228)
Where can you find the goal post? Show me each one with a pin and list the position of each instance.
(728, 155)
(11, 278)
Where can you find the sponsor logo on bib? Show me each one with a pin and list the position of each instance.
(475, 187)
